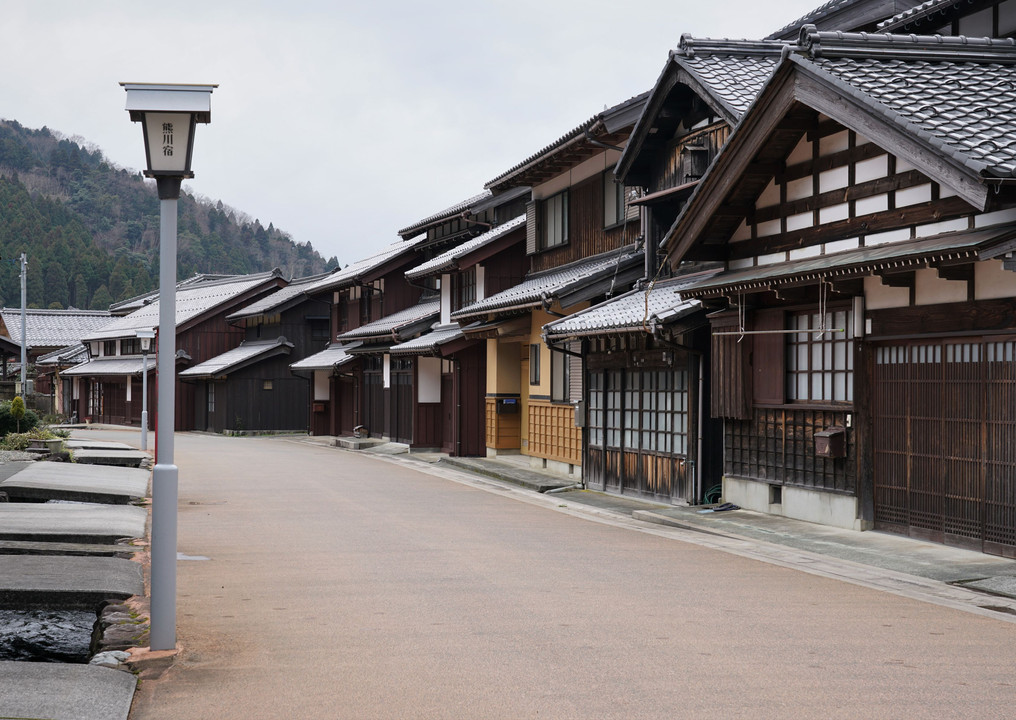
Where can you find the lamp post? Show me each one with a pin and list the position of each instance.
(168, 115)
(145, 336)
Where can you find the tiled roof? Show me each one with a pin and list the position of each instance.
(110, 366)
(191, 300)
(445, 214)
(636, 311)
(447, 260)
(920, 12)
(731, 71)
(811, 17)
(548, 284)
(70, 355)
(956, 94)
(428, 342)
(395, 322)
(53, 328)
(278, 298)
(241, 355)
(573, 134)
(354, 271)
(332, 356)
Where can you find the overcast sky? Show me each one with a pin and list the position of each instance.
(343, 122)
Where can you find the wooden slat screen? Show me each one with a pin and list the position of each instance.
(731, 376)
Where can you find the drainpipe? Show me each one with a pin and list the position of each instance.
(598, 143)
(465, 218)
(547, 301)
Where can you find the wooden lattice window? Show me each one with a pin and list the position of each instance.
(820, 359)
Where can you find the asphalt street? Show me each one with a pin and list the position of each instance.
(339, 585)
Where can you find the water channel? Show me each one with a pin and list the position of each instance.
(63, 636)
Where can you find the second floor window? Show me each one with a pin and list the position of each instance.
(464, 289)
(613, 200)
(109, 348)
(554, 221)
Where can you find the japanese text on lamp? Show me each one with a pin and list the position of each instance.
(167, 139)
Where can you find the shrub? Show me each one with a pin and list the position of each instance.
(7, 422)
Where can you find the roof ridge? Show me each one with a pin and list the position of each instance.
(690, 46)
(918, 12)
(959, 48)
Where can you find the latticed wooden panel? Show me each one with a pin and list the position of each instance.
(552, 433)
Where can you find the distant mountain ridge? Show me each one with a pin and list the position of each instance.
(90, 230)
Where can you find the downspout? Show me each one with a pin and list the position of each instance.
(465, 218)
(598, 143)
(546, 301)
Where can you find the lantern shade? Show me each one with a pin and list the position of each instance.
(168, 114)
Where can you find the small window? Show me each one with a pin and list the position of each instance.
(211, 398)
(534, 364)
(131, 346)
(266, 385)
(109, 348)
(464, 288)
(319, 328)
(555, 220)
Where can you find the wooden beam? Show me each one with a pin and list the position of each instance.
(897, 279)
(963, 273)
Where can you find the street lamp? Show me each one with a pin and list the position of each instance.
(168, 115)
(145, 336)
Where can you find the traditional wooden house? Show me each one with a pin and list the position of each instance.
(849, 16)
(467, 273)
(864, 212)
(106, 388)
(47, 331)
(581, 247)
(249, 388)
(359, 294)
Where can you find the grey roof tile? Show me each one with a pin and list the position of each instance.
(53, 328)
(732, 71)
(335, 355)
(110, 366)
(243, 353)
(395, 322)
(447, 260)
(958, 94)
(191, 301)
(636, 311)
(446, 214)
(533, 290)
(278, 298)
(354, 271)
(428, 342)
(919, 12)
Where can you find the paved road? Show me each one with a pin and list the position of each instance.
(345, 586)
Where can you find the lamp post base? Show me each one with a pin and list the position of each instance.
(165, 491)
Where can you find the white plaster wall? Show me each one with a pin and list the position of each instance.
(321, 384)
(428, 388)
(841, 245)
(770, 196)
(930, 289)
(834, 213)
(743, 232)
(914, 195)
(871, 169)
(386, 371)
(833, 179)
(446, 299)
(799, 221)
(805, 252)
(772, 258)
(798, 503)
(890, 236)
(800, 188)
(129, 387)
(770, 227)
(995, 218)
(942, 227)
(871, 205)
(740, 263)
(878, 296)
(481, 281)
(801, 153)
(992, 281)
(834, 143)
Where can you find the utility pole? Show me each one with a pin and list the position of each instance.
(24, 348)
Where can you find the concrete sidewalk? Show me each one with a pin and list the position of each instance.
(938, 573)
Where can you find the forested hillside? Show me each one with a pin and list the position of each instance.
(91, 230)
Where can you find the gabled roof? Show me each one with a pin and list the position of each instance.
(429, 343)
(398, 325)
(53, 328)
(845, 15)
(947, 105)
(366, 269)
(568, 284)
(638, 311)
(455, 210)
(726, 74)
(450, 259)
(333, 356)
(247, 353)
(573, 147)
(280, 300)
(192, 301)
